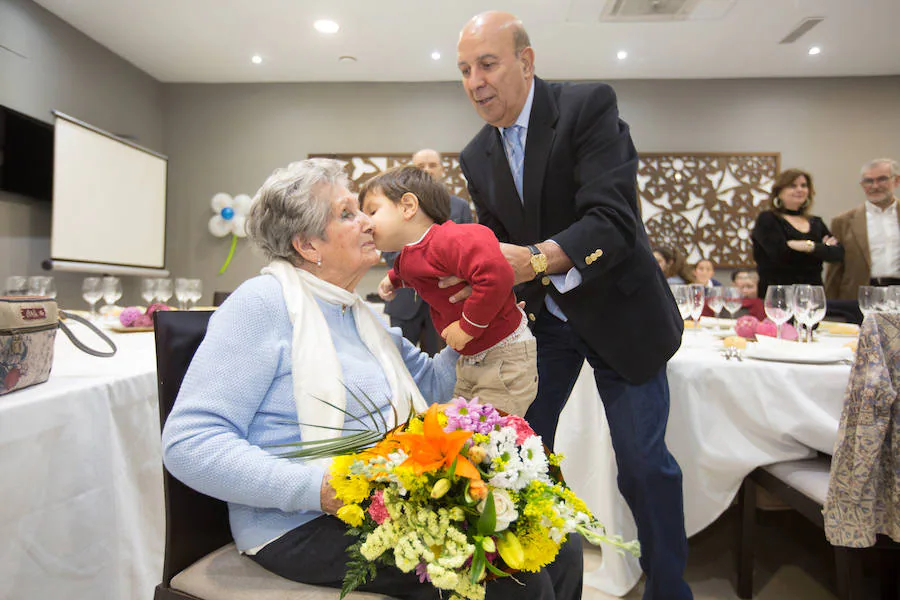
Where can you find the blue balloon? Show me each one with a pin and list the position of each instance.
(227, 213)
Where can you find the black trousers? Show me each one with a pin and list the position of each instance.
(315, 553)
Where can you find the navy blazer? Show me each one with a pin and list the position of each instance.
(580, 190)
(406, 302)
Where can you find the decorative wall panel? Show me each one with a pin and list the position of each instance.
(701, 204)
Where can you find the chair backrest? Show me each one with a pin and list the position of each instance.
(195, 523)
(219, 298)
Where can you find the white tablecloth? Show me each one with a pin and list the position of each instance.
(81, 515)
(726, 418)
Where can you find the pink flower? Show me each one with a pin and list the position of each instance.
(377, 510)
(523, 429)
(422, 572)
(128, 316)
(143, 321)
(155, 307)
(471, 416)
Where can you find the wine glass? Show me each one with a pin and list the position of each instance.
(148, 289)
(41, 285)
(195, 290)
(92, 291)
(734, 300)
(112, 290)
(163, 290)
(800, 306)
(682, 299)
(182, 293)
(871, 299)
(715, 300)
(817, 307)
(697, 295)
(778, 305)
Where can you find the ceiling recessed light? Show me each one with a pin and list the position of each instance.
(435, 55)
(621, 55)
(326, 26)
(814, 50)
(256, 59)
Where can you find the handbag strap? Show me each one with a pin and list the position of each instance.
(63, 315)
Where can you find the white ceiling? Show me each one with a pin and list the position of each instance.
(213, 40)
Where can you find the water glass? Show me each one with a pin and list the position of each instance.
(801, 306)
(871, 299)
(733, 298)
(112, 290)
(148, 289)
(92, 291)
(16, 285)
(682, 299)
(182, 293)
(41, 285)
(195, 290)
(817, 307)
(163, 290)
(697, 293)
(715, 299)
(779, 304)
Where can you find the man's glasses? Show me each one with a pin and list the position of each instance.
(869, 182)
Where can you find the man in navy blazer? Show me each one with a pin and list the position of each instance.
(407, 310)
(553, 174)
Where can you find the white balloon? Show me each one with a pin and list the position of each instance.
(242, 204)
(238, 226)
(220, 201)
(219, 227)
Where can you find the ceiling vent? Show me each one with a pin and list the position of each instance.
(802, 29)
(642, 11)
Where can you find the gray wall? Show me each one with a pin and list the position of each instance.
(230, 137)
(55, 67)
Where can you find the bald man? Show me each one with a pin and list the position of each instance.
(407, 310)
(553, 173)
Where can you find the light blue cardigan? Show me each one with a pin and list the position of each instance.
(236, 403)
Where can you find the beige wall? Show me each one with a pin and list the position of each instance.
(230, 137)
(62, 69)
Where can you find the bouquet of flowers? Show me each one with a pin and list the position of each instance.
(459, 494)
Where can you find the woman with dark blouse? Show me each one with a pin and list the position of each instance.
(789, 244)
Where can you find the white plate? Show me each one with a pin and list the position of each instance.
(122, 329)
(825, 358)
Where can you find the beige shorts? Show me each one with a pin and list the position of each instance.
(506, 377)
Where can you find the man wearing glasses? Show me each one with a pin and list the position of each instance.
(870, 235)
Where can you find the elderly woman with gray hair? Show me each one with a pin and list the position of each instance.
(280, 354)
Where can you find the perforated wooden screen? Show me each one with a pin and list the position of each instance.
(702, 204)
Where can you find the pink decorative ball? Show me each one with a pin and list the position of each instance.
(157, 306)
(767, 328)
(789, 332)
(746, 327)
(143, 321)
(128, 316)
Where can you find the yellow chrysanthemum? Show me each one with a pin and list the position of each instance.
(539, 549)
(415, 426)
(351, 514)
(348, 488)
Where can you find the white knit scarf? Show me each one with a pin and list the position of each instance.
(315, 366)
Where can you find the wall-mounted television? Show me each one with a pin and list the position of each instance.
(26, 155)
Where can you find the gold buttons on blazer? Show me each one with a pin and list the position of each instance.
(531, 317)
(593, 256)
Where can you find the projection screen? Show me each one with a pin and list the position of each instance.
(109, 199)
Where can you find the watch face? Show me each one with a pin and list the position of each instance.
(539, 263)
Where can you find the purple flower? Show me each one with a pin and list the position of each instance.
(422, 572)
(471, 416)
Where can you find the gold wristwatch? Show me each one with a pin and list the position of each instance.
(539, 264)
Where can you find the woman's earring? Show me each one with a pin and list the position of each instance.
(777, 202)
(319, 262)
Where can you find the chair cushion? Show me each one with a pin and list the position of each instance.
(808, 476)
(226, 574)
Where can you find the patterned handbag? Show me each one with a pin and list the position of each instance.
(28, 327)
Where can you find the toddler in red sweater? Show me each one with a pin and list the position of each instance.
(410, 214)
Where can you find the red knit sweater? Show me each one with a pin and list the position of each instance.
(471, 252)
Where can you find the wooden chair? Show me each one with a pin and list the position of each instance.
(803, 485)
(201, 561)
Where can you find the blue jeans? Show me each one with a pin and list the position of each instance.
(649, 477)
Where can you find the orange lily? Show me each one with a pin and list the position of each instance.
(434, 448)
